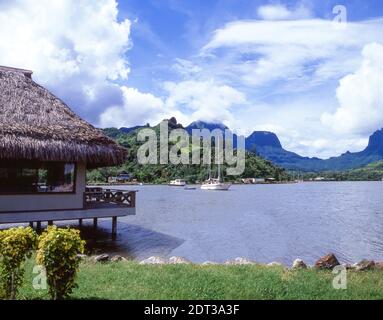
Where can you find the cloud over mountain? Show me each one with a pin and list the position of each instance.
(277, 64)
(360, 96)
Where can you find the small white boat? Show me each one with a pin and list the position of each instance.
(178, 183)
(215, 184)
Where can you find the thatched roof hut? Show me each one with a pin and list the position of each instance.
(36, 125)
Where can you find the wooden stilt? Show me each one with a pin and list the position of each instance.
(38, 226)
(31, 224)
(80, 223)
(95, 220)
(50, 223)
(114, 227)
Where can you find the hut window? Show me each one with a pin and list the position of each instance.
(37, 177)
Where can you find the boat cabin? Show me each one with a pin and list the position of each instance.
(45, 150)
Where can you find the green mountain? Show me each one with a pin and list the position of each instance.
(370, 172)
(255, 165)
(373, 171)
(267, 145)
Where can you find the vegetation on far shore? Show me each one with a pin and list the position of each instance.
(255, 166)
(130, 280)
(370, 172)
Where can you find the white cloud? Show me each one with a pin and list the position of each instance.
(297, 123)
(137, 109)
(281, 12)
(186, 68)
(204, 100)
(76, 48)
(360, 96)
(291, 68)
(186, 100)
(302, 53)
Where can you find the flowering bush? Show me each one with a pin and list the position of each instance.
(57, 252)
(16, 245)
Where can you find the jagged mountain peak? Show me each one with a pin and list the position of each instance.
(268, 145)
(375, 143)
(206, 125)
(263, 139)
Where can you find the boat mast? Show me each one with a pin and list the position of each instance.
(219, 172)
(210, 170)
(219, 163)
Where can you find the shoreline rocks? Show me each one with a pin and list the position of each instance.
(239, 261)
(209, 263)
(327, 262)
(179, 260)
(299, 264)
(101, 258)
(154, 260)
(365, 265)
(275, 264)
(118, 259)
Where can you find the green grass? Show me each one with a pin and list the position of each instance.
(129, 280)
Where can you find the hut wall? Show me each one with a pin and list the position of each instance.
(41, 202)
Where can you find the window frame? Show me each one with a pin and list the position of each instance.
(48, 193)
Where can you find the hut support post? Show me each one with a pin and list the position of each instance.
(50, 223)
(38, 226)
(31, 224)
(114, 227)
(80, 223)
(95, 221)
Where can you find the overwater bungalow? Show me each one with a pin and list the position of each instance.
(45, 149)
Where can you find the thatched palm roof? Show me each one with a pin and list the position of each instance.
(36, 125)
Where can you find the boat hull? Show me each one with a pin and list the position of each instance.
(216, 186)
(177, 183)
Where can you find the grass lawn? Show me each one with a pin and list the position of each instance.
(129, 280)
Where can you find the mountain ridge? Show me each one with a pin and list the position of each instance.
(267, 145)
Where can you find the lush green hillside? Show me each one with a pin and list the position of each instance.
(373, 171)
(370, 172)
(268, 146)
(255, 166)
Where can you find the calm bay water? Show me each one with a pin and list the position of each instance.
(264, 223)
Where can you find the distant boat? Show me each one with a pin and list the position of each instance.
(178, 183)
(190, 188)
(215, 184)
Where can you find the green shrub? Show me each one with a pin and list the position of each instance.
(57, 252)
(16, 245)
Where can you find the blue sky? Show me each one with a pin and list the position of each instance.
(282, 66)
(170, 29)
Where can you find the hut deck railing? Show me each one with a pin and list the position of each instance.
(108, 198)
